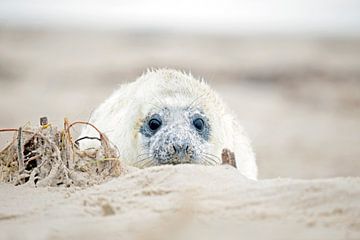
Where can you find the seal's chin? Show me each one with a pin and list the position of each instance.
(168, 159)
(149, 160)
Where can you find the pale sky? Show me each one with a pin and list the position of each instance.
(230, 16)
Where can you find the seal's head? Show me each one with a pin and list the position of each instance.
(173, 135)
(168, 117)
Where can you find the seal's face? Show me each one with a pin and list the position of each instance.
(175, 136)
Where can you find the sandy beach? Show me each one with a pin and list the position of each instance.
(298, 98)
(185, 202)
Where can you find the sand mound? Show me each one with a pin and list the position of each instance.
(184, 202)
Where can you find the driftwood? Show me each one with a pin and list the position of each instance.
(46, 156)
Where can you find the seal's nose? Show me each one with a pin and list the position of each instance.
(181, 150)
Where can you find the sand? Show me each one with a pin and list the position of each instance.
(298, 98)
(185, 202)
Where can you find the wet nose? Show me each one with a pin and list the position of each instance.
(181, 149)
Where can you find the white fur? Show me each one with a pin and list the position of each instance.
(121, 115)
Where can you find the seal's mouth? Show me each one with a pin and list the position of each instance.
(172, 158)
(201, 158)
(177, 161)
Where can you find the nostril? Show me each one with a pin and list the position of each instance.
(180, 149)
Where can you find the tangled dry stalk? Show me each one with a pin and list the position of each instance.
(46, 156)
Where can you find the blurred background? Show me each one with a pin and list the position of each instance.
(290, 69)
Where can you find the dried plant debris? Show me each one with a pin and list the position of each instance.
(46, 156)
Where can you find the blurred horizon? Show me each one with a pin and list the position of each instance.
(319, 18)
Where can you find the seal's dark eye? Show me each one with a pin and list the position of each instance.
(154, 124)
(199, 124)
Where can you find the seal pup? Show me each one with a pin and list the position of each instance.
(169, 117)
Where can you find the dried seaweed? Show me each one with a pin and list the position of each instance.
(46, 156)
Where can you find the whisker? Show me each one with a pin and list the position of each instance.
(148, 163)
(143, 154)
(143, 159)
(143, 162)
(212, 156)
(214, 159)
(206, 162)
(211, 160)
